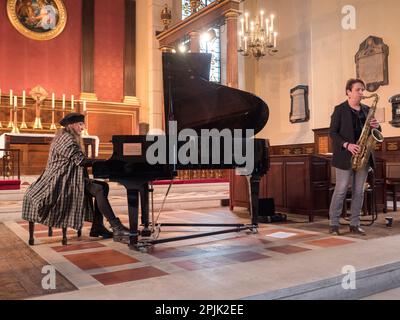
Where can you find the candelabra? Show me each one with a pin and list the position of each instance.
(258, 38)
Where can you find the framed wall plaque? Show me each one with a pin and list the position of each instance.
(37, 19)
(299, 111)
(372, 63)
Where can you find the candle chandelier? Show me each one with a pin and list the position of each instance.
(258, 36)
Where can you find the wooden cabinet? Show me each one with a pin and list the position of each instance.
(380, 184)
(298, 184)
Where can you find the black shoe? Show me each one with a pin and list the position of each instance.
(100, 231)
(334, 230)
(357, 230)
(120, 232)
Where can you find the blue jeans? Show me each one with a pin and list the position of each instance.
(357, 191)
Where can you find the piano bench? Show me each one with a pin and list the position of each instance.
(64, 240)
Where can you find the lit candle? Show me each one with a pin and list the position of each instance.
(242, 24)
(15, 102)
(11, 97)
(270, 35)
(267, 26)
(245, 43)
(23, 98)
(261, 18)
(272, 22)
(84, 105)
(52, 100)
(63, 101)
(72, 102)
(275, 35)
(246, 15)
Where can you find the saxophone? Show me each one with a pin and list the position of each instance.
(368, 139)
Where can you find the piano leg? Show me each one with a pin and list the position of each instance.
(133, 212)
(144, 203)
(254, 191)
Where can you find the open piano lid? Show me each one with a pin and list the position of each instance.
(195, 102)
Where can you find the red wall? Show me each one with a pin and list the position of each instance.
(53, 64)
(109, 49)
(56, 64)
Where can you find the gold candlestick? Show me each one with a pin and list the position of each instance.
(10, 123)
(15, 126)
(53, 125)
(23, 123)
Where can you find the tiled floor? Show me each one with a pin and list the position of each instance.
(93, 262)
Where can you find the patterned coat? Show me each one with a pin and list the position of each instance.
(57, 198)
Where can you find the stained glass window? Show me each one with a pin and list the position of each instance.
(186, 7)
(213, 46)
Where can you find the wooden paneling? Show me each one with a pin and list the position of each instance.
(276, 183)
(297, 149)
(105, 119)
(100, 124)
(297, 185)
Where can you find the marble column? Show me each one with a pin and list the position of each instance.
(232, 78)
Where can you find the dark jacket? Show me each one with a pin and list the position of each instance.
(341, 131)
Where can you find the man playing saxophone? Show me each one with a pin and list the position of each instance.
(347, 123)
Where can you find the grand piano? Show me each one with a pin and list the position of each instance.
(194, 106)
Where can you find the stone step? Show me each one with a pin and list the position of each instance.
(369, 281)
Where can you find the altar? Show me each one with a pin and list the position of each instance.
(34, 149)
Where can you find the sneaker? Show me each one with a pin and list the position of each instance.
(357, 230)
(334, 230)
